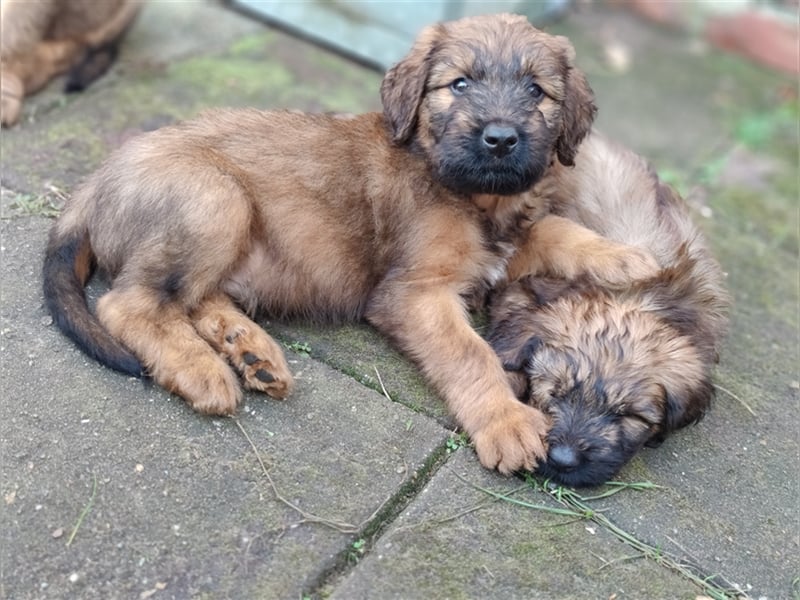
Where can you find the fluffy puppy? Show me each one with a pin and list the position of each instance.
(397, 218)
(45, 38)
(615, 369)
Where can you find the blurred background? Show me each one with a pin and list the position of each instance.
(379, 32)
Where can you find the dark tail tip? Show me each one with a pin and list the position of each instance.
(67, 267)
(91, 66)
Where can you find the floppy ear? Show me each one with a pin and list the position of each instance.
(684, 404)
(579, 109)
(404, 85)
(687, 405)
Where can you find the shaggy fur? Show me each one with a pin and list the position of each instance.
(44, 38)
(397, 218)
(615, 369)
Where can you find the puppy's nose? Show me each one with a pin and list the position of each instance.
(499, 139)
(563, 457)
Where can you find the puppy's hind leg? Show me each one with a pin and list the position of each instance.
(251, 351)
(162, 336)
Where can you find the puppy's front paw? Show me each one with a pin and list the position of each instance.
(621, 265)
(514, 440)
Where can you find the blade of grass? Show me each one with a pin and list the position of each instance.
(724, 590)
(85, 510)
(617, 486)
(507, 498)
(308, 517)
(735, 397)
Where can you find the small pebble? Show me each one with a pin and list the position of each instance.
(57, 533)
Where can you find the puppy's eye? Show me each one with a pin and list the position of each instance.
(536, 91)
(459, 86)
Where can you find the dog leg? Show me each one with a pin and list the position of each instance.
(48, 59)
(251, 351)
(562, 248)
(162, 336)
(25, 74)
(12, 91)
(429, 322)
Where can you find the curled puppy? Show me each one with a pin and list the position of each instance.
(615, 369)
(45, 38)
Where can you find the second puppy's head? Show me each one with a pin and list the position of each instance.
(491, 101)
(612, 372)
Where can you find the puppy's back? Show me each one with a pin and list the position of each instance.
(616, 193)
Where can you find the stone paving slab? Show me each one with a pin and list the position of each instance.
(180, 500)
(364, 354)
(455, 541)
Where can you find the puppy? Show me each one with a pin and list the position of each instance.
(398, 219)
(44, 38)
(615, 369)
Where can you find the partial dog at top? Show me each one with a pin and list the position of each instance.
(398, 218)
(615, 369)
(44, 38)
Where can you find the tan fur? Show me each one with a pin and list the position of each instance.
(615, 368)
(44, 38)
(333, 219)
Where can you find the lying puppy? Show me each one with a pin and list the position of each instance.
(615, 369)
(45, 38)
(397, 218)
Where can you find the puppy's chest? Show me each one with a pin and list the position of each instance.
(505, 223)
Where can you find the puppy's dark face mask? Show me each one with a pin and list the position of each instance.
(599, 421)
(491, 103)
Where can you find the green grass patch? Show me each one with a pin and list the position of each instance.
(577, 506)
(29, 205)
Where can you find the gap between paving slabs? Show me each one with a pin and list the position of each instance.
(376, 525)
(323, 347)
(385, 514)
(557, 500)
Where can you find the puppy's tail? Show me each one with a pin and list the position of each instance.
(68, 264)
(102, 47)
(91, 65)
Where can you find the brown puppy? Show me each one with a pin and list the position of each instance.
(397, 219)
(615, 369)
(44, 38)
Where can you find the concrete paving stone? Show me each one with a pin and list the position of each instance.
(180, 499)
(457, 542)
(361, 352)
